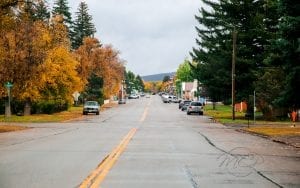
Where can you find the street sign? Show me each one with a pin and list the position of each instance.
(75, 95)
(8, 85)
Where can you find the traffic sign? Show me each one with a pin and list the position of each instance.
(8, 85)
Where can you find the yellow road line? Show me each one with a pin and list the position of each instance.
(144, 115)
(145, 112)
(98, 175)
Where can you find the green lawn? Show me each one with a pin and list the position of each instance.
(223, 114)
(73, 112)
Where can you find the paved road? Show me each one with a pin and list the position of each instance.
(144, 143)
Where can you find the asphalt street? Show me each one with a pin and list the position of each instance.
(143, 143)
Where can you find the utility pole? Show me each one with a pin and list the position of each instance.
(234, 36)
(254, 107)
(8, 86)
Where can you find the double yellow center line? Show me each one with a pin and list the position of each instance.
(98, 175)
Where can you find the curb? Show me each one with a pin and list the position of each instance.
(267, 137)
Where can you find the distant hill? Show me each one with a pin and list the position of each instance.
(157, 77)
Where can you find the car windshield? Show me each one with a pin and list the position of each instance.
(91, 103)
(196, 104)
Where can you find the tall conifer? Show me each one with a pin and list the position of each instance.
(83, 26)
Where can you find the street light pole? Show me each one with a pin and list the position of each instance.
(234, 36)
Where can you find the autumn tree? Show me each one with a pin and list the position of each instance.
(59, 76)
(100, 61)
(112, 72)
(30, 50)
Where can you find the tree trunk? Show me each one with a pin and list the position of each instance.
(27, 108)
(214, 105)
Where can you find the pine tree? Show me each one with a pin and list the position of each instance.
(42, 12)
(83, 26)
(285, 53)
(214, 53)
(62, 9)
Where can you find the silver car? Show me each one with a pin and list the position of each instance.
(195, 107)
(91, 107)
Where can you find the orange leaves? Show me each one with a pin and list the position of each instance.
(36, 57)
(103, 62)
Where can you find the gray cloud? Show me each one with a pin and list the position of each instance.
(153, 36)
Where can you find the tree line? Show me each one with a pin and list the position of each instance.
(47, 56)
(267, 53)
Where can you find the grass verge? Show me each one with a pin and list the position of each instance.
(223, 114)
(9, 128)
(275, 131)
(72, 113)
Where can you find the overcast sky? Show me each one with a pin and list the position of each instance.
(153, 36)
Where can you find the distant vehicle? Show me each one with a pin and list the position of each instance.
(183, 102)
(142, 94)
(166, 98)
(175, 99)
(91, 107)
(195, 107)
(122, 101)
(133, 96)
(185, 106)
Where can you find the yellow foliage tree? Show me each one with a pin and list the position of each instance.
(33, 54)
(102, 61)
(59, 77)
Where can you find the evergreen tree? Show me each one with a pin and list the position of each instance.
(166, 79)
(129, 81)
(140, 83)
(83, 26)
(62, 9)
(214, 53)
(285, 53)
(94, 88)
(42, 12)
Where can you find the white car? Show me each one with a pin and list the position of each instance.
(195, 107)
(91, 107)
(133, 96)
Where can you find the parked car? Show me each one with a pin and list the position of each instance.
(175, 99)
(185, 105)
(182, 102)
(195, 107)
(122, 101)
(133, 96)
(165, 98)
(91, 107)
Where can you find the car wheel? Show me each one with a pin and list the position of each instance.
(97, 113)
(188, 113)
